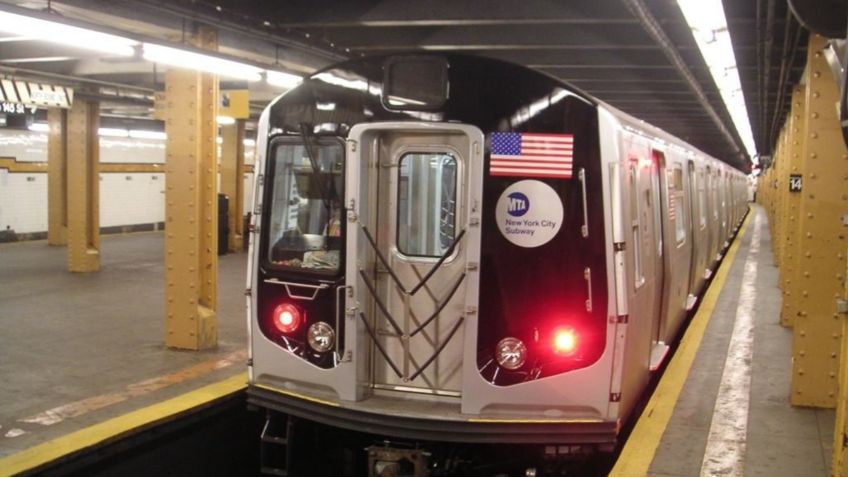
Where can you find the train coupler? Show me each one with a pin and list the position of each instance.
(384, 461)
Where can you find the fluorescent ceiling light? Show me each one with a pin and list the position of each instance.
(249, 142)
(39, 59)
(113, 132)
(39, 127)
(282, 80)
(200, 62)
(145, 134)
(67, 35)
(709, 27)
(226, 120)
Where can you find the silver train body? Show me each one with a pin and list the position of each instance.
(402, 284)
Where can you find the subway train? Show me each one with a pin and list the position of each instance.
(455, 249)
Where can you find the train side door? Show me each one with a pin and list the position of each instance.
(417, 192)
(696, 268)
(658, 347)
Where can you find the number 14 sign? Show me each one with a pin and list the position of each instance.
(795, 183)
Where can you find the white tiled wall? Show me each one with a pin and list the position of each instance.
(23, 201)
(125, 199)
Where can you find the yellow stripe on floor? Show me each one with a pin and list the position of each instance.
(114, 428)
(641, 446)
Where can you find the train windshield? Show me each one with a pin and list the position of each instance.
(305, 229)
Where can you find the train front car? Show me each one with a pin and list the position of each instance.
(430, 259)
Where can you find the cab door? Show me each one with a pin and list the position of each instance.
(416, 196)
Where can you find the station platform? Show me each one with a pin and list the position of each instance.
(83, 350)
(722, 405)
(82, 360)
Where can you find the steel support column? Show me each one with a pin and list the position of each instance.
(232, 179)
(796, 125)
(83, 188)
(821, 272)
(191, 205)
(778, 221)
(840, 433)
(57, 177)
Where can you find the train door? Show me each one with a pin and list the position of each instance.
(655, 200)
(696, 228)
(414, 189)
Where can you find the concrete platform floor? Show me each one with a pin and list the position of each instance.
(78, 349)
(781, 440)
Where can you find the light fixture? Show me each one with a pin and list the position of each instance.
(39, 127)
(564, 341)
(226, 120)
(321, 337)
(709, 27)
(287, 317)
(113, 132)
(145, 134)
(511, 353)
(282, 80)
(56, 32)
(200, 62)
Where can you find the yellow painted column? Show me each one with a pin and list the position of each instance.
(839, 460)
(778, 220)
(191, 205)
(57, 178)
(824, 200)
(232, 179)
(83, 152)
(790, 261)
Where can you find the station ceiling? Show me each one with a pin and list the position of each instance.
(637, 55)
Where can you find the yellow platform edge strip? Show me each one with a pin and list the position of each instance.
(641, 446)
(41, 454)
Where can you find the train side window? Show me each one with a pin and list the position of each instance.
(636, 218)
(658, 161)
(676, 197)
(702, 199)
(714, 192)
(426, 222)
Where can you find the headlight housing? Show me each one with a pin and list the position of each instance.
(321, 337)
(511, 353)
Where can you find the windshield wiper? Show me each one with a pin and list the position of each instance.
(326, 198)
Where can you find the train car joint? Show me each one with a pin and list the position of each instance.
(658, 354)
(384, 461)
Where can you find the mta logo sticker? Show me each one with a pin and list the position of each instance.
(518, 204)
(527, 226)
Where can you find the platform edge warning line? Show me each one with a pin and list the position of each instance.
(638, 453)
(34, 457)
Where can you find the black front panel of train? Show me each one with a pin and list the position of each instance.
(537, 290)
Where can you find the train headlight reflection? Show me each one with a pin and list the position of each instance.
(511, 353)
(321, 337)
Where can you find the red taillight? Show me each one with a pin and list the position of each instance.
(565, 341)
(287, 318)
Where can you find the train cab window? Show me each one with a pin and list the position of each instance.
(676, 197)
(426, 204)
(306, 206)
(636, 224)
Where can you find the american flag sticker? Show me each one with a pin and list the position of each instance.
(532, 155)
